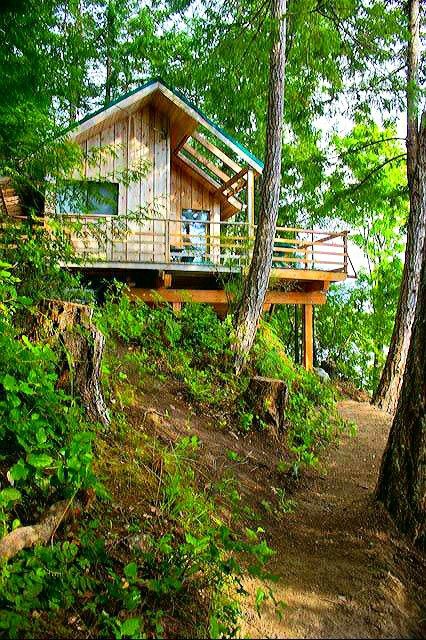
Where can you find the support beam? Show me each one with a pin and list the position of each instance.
(216, 151)
(308, 337)
(213, 296)
(226, 185)
(164, 280)
(206, 162)
(186, 161)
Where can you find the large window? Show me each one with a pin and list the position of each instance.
(88, 198)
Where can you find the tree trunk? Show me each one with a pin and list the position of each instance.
(267, 399)
(388, 390)
(71, 325)
(109, 29)
(256, 283)
(402, 480)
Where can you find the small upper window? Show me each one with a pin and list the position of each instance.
(79, 197)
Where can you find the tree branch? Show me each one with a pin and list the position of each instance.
(375, 170)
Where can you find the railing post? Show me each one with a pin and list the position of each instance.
(345, 250)
(167, 240)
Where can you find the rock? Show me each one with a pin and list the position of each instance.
(268, 398)
(322, 374)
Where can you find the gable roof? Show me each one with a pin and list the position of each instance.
(157, 85)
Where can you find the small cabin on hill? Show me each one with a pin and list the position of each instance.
(165, 199)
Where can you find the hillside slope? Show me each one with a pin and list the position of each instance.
(342, 569)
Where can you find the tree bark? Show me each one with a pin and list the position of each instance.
(71, 325)
(41, 533)
(268, 399)
(388, 390)
(256, 284)
(402, 480)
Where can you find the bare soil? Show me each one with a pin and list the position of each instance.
(342, 569)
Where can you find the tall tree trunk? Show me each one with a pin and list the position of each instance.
(388, 390)
(256, 283)
(109, 44)
(402, 480)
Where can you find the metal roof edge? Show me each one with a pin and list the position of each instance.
(181, 97)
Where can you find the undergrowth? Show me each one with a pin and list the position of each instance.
(194, 346)
(158, 551)
(171, 563)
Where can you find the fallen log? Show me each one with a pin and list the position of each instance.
(70, 324)
(41, 533)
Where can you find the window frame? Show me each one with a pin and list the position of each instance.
(87, 197)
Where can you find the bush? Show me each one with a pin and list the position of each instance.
(312, 414)
(45, 445)
(194, 345)
(188, 560)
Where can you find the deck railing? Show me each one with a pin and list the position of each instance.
(204, 243)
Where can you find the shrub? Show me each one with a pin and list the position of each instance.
(312, 414)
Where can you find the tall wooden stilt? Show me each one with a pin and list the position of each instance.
(296, 335)
(308, 338)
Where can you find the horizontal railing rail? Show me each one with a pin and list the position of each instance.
(216, 243)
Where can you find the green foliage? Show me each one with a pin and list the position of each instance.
(193, 345)
(37, 263)
(190, 556)
(45, 444)
(312, 414)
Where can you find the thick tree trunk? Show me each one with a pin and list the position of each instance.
(388, 390)
(256, 283)
(402, 480)
(71, 325)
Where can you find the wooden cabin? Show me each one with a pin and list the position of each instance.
(166, 200)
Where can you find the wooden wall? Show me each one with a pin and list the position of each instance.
(187, 192)
(163, 192)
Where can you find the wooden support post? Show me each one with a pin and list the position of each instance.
(164, 280)
(308, 338)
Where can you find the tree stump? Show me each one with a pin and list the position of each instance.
(268, 400)
(70, 324)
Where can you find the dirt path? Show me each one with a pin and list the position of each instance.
(342, 569)
(343, 572)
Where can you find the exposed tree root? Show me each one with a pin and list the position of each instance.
(41, 533)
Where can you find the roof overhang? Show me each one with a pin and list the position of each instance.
(157, 89)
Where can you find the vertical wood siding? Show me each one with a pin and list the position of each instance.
(160, 194)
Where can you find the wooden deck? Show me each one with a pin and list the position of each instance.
(209, 247)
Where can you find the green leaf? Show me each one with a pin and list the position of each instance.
(19, 471)
(9, 496)
(131, 628)
(214, 628)
(131, 570)
(9, 382)
(39, 460)
(41, 435)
